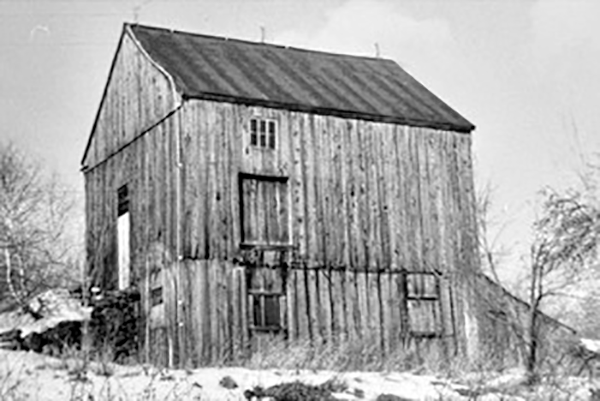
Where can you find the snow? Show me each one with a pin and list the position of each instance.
(28, 375)
(591, 345)
(56, 306)
(34, 376)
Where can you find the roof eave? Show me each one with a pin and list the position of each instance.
(467, 128)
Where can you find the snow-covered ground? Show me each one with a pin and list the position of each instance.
(31, 376)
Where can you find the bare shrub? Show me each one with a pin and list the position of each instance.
(36, 214)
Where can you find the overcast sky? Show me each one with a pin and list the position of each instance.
(526, 73)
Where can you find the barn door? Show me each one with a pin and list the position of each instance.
(123, 238)
(264, 210)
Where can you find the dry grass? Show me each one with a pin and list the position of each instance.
(11, 379)
(95, 377)
(357, 355)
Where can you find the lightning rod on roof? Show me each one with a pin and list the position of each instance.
(137, 8)
(377, 52)
(262, 34)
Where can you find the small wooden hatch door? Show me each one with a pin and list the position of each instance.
(423, 304)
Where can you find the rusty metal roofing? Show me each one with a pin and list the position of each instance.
(208, 67)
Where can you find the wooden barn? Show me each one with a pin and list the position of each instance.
(254, 192)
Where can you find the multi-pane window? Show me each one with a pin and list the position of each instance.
(423, 304)
(266, 299)
(266, 311)
(264, 210)
(263, 133)
(123, 234)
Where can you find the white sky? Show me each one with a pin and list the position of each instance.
(526, 73)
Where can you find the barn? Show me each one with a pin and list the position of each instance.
(253, 193)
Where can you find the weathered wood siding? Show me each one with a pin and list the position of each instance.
(145, 167)
(369, 204)
(364, 195)
(137, 96)
(504, 319)
(132, 144)
(210, 312)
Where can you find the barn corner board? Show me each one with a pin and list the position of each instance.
(254, 191)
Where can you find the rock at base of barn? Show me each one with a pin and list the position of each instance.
(52, 321)
(49, 321)
(114, 325)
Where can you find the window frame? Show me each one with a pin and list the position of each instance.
(263, 283)
(263, 133)
(258, 297)
(417, 300)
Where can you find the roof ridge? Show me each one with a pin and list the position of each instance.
(260, 44)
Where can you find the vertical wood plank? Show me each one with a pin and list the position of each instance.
(365, 238)
(225, 284)
(338, 303)
(214, 157)
(201, 226)
(374, 304)
(355, 192)
(394, 311)
(352, 308)
(170, 301)
(401, 199)
(196, 300)
(207, 321)
(363, 302)
(303, 307)
(383, 160)
(224, 124)
(243, 288)
(322, 232)
(312, 228)
(327, 182)
(235, 310)
(373, 207)
(298, 185)
(425, 198)
(325, 303)
(215, 340)
(183, 314)
(414, 183)
(291, 307)
(315, 311)
(386, 313)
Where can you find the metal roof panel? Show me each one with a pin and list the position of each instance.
(264, 74)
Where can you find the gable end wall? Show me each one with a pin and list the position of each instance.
(133, 144)
(138, 96)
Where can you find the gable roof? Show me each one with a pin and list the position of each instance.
(214, 68)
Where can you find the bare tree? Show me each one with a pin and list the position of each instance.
(502, 307)
(34, 214)
(489, 231)
(565, 244)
